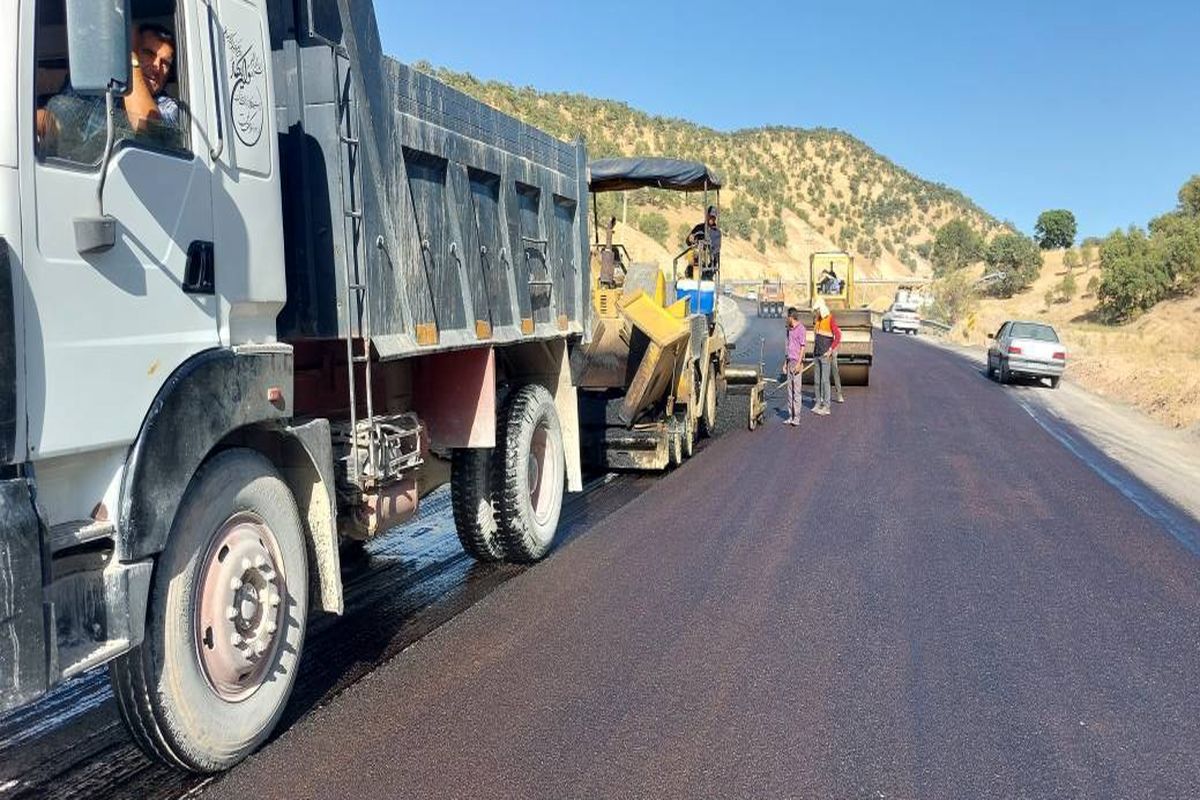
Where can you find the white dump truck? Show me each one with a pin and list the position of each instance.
(260, 287)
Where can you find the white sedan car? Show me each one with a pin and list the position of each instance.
(902, 318)
(1030, 349)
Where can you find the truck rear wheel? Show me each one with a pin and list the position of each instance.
(530, 474)
(474, 509)
(225, 623)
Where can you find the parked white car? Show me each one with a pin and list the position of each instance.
(1030, 349)
(902, 318)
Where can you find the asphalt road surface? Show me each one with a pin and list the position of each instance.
(924, 595)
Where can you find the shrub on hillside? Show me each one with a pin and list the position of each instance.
(1016, 261)
(1068, 288)
(953, 298)
(1070, 261)
(655, 226)
(1132, 275)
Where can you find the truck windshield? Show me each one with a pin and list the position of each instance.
(1031, 330)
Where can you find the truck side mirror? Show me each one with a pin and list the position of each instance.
(98, 46)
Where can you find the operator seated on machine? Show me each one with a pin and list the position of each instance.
(74, 127)
(706, 251)
(830, 283)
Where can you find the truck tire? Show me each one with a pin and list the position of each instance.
(708, 414)
(225, 621)
(529, 475)
(471, 472)
(687, 435)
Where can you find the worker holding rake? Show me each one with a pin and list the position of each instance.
(794, 367)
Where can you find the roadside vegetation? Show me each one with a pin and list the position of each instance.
(781, 181)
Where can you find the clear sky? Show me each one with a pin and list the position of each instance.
(1091, 105)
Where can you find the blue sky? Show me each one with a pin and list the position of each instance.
(1022, 105)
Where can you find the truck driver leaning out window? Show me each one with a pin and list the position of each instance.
(72, 126)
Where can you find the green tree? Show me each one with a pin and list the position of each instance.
(655, 226)
(955, 245)
(1093, 285)
(1016, 261)
(1189, 197)
(1132, 275)
(1055, 229)
(1176, 240)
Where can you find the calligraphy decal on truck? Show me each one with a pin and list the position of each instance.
(247, 98)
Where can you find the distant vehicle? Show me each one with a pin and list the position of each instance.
(902, 318)
(752, 295)
(770, 299)
(1029, 349)
(727, 290)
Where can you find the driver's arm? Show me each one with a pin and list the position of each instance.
(140, 105)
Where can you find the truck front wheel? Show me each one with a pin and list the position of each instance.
(225, 623)
(530, 475)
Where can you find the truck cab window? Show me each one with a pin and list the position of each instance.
(71, 127)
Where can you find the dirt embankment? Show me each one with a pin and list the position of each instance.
(1151, 363)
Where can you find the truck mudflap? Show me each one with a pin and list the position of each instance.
(24, 617)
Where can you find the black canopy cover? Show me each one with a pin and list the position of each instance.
(622, 174)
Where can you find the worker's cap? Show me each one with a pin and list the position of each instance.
(712, 211)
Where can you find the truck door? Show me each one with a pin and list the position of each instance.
(104, 330)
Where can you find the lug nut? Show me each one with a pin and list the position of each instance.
(231, 613)
(235, 584)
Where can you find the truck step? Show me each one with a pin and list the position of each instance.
(76, 532)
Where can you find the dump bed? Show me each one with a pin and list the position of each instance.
(464, 226)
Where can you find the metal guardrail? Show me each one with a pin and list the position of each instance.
(936, 325)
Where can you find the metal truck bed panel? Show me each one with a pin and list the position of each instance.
(472, 226)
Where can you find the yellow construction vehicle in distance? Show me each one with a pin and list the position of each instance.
(831, 278)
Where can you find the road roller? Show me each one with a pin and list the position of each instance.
(831, 278)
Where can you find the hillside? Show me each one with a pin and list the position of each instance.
(789, 191)
(1152, 363)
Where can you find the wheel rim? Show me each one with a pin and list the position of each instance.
(542, 477)
(240, 608)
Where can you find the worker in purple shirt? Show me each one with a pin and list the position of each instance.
(794, 368)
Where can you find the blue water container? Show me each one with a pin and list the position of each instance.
(702, 295)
